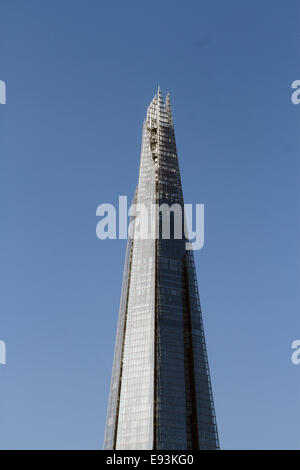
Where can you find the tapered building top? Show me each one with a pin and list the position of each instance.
(160, 395)
(160, 111)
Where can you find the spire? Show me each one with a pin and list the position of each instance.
(158, 90)
(158, 110)
(154, 382)
(168, 108)
(160, 101)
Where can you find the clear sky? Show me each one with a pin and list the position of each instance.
(79, 77)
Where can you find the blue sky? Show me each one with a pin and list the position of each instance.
(79, 77)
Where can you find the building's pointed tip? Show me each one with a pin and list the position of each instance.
(168, 107)
(160, 100)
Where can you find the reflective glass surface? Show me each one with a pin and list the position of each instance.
(161, 395)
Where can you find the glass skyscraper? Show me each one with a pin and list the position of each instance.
(160, 395)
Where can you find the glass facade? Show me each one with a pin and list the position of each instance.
(160, 395)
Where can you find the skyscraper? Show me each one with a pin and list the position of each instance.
(160, 395)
